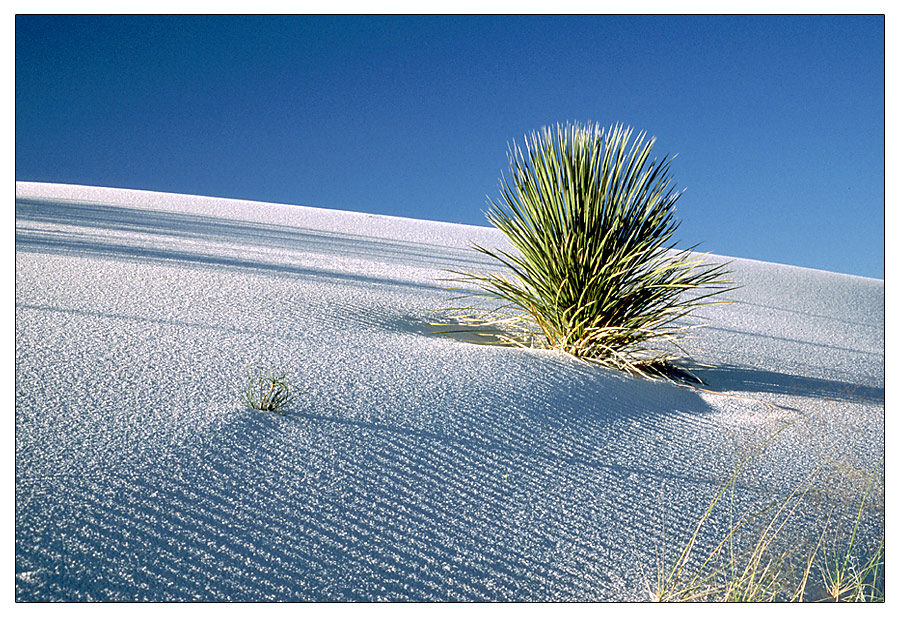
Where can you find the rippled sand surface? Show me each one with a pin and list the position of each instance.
(413, 466)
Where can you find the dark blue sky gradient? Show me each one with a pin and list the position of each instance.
(778, 121)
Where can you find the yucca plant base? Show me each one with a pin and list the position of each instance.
(524, 331)
(595, 272)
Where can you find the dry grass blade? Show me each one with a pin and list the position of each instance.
(764, 573)
(843, 578)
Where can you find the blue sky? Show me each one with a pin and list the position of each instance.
(778, 121)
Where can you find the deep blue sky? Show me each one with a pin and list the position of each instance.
(778, 121)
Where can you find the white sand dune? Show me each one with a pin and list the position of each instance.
(414, 466)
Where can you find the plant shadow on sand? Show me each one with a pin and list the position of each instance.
(730, 377)
(716, 379)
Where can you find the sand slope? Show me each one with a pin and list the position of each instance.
(414, 467)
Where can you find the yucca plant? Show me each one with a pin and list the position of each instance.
(597, 274)
(266, 390)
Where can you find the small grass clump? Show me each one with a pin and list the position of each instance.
(266, 390)
(596, 275)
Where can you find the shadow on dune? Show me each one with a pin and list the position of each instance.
(748, 379)
(723, 378)
(500, 493)
(175, 225)
(43, 242)
(180, 226)
(479, 490)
